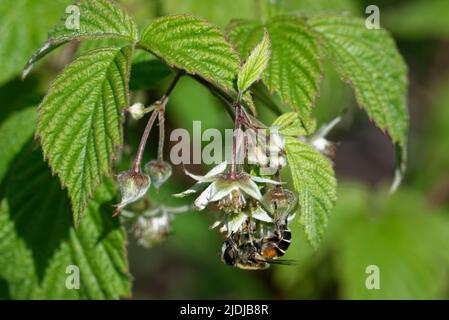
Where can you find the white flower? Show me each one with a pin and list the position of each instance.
(233, 223)
(230, 191)
(319, 142)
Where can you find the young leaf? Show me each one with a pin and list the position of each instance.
(290, 124)
(193, 45)
(315, 184)
(79, 121)
(98, 19)
(294, 70)
(23, 27)
(38, 241)
(369, 61)
(255, 64)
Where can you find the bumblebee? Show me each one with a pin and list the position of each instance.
(241, 250)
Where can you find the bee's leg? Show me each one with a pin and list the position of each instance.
(250, 231)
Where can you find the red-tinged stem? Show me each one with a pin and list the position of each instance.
(160, 148)
(137, 167)
(238, 123)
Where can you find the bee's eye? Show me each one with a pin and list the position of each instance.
(228, 255)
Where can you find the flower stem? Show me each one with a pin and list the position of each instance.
(143, 141)
(238, 119)
(137, 167)
(160, 148)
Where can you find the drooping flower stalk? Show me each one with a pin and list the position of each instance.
(239, 120)
(137, 167)
(160, 148)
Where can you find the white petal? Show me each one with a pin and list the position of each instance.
(193, 189)
(178, 210)
(262, 215)
(291, 217)
(265, 180)
(215, 224)
(251, 189)
(319, 144)
(202, 201)
(217, 170)
(194, 176)
(234, 224)
(210, 176)
(184, 193)
(323, 131)
(219, 192)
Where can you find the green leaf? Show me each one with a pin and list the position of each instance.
(315, 184)
(369, 61)
(38, 241)
(256, 63)
(290, 124)
(15, 132)
(294, 71)
(23, 27)
(193, 45)
(147, 71)
(80, 121)
(98, 19)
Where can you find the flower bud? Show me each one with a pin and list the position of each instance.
(323, 146)
(159, 171)
(137, 111)
(133, 186)
(150, 231)
(276, 149)
(280, 202)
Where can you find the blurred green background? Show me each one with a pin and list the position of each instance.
(406, 234)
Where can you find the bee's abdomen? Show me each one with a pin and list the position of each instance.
(276, 247)
(284, 242)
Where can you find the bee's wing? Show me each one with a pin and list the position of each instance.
(284, 262)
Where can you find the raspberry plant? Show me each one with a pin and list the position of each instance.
(79, 121)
